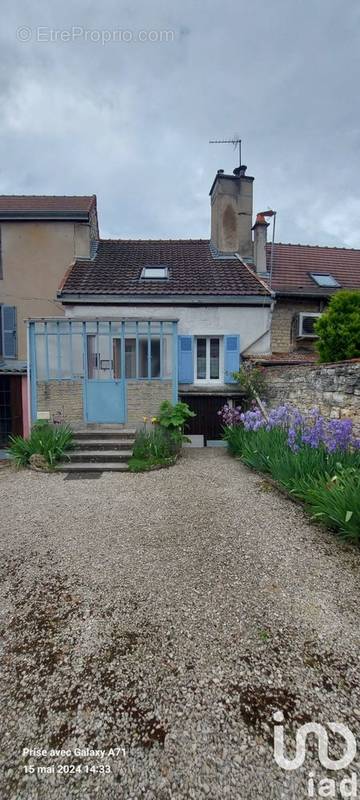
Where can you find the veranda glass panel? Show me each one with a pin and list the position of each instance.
(64, 369)
(167, 357)
(143, 357)
(130, 358)
(105, 357)
(117, 359)
(53, 355)
(40, 358)
(91, 357)
(155, 358)
(77, 344)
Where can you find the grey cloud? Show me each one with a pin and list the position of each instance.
(131, 121)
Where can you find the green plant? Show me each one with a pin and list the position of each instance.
(339, 328)
(156, 444)
(336, 501)
(50, 441)
(328, 482)
(174, 417)
(252, 381)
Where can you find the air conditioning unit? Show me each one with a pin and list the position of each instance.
(305, 325)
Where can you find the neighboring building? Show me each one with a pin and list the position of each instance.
(39, 237)
(154, 320)
(304, 277)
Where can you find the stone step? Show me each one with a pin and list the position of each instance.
(121, 436)
(99, 455)
(93, 466)
(104, 444)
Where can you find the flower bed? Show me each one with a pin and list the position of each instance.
(316, 460)
(160, 445)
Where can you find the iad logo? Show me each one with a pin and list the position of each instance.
(326, 787)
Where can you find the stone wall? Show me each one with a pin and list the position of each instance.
(284, 312)
(334, 388)
(144, 398)
(64, 398)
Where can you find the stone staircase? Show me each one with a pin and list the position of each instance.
(99, 449)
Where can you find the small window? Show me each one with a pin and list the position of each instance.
(324, 280)
(155, 272)
(208, 359)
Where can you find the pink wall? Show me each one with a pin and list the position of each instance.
(25, 405)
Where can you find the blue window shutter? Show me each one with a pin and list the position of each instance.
(186, 365)
(9, 331)
(231, 357)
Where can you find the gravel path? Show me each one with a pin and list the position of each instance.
(168, 615)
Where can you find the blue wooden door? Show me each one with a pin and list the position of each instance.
(104, 386)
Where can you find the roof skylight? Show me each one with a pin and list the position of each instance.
(324, 280)
(155, 271)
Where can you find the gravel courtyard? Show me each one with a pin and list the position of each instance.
(162, 618)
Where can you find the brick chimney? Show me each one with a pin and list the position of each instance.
(260, 238)
(231, 212)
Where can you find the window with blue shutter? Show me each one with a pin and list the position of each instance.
(231, 357)
(8, 324)
(186, 359)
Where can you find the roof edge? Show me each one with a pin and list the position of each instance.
(163, 299)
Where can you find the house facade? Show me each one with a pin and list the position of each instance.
(39, 237)
(304, 278)
(154, 320)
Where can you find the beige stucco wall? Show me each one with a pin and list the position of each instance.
(144, 398)
(283, 314)
(35, 256)
(64, 398)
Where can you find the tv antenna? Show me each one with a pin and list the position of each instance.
(236, 142)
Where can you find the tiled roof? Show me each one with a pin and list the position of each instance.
(293, 262)
(23, 204)
(117, 266)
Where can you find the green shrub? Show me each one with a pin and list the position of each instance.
(251, 379)
(339, 328)
(174, 417)
(50, 441)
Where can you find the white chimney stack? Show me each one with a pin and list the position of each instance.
(260, 240)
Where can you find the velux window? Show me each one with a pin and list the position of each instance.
(207, 358)
(323, 279)
(155, 272)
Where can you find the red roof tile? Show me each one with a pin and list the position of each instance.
(293, 262)
(193, 269)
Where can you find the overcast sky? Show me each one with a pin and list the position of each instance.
(130, 120)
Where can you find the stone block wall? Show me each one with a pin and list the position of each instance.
(284, 312)
(334, 388)
(144, 398)
(63, 398)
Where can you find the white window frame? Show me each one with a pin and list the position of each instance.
(207, 380)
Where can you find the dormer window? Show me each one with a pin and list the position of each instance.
(157, 272)
(324, 279)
